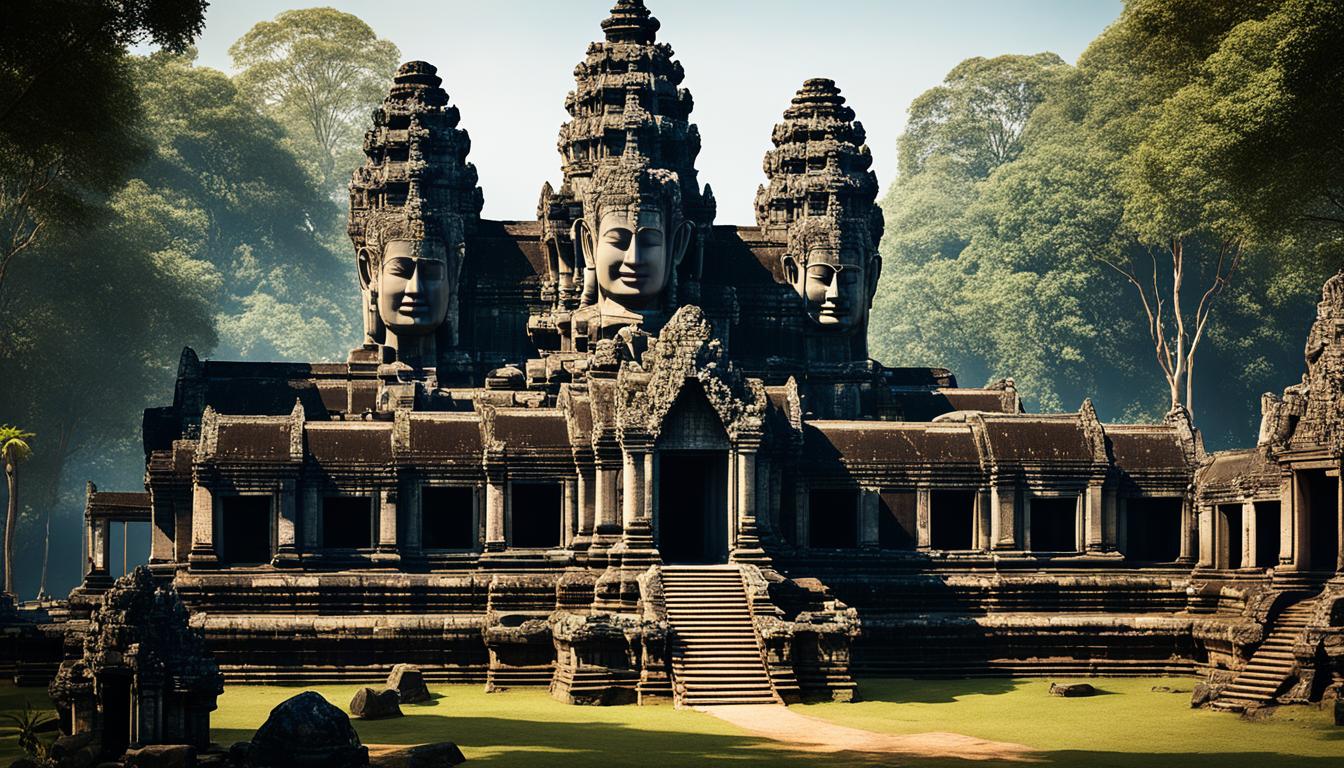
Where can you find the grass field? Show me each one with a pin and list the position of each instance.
(1129, 725)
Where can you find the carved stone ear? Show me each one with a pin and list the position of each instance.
(790, 266)
(874, 274)
(681, 240)
(582, 235)
(364, 267)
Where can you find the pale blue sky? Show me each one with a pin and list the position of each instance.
(508, 65)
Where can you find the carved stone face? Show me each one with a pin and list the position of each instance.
(632, 258)
(833, 287)
(414, 286)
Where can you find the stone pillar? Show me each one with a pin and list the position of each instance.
(570, 500)
(746, 546)
(1302, 512)
(1207, 554)
(1110, 519)
(1248, 526)
(1122, 525)
(413, 518)
(286, 525)
(802, 514)
(608, 513)
(202, 526)
(495, 481)
(1288, 524)
(651, 491)
(923, 518)
(1189, 531)
(636, 548)
(1003, 523)
(385, 550)
(870, 510)
(984, 510)
(311, 517)
(1093, 523)
(632, 487)
(100, 542)
(585, 488)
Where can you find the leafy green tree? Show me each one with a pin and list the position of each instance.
(318, 72)
(68, 112)
(13, 449)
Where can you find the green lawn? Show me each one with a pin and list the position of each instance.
(1129, 725)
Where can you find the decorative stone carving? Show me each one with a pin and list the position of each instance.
(411, 206)
(140, 656)
(819, 202)
(1311, 414)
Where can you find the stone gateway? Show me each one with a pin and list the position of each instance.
(630, 453)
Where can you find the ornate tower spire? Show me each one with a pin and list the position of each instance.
(627, 100)
(417, 190)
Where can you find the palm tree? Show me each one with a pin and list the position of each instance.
(13, 449)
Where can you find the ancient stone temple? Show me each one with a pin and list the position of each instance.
(630, 453)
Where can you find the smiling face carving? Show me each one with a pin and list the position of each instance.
(413, 286)
(826, 265)
(632, 235)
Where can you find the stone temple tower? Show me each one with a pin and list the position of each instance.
(626, 99)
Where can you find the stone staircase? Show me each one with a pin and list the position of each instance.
(1272, 664)
(716, 656)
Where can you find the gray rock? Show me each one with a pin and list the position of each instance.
(370, 704)
(161, 756)
(409, 682)
(306, 731)
(1072, 690)
(440, 755)
(1203, 694)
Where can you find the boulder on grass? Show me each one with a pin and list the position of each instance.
(1203, 694)
(306, 731)
(409, 682)
(161, 756)
(369, 704)
(1072, 690)
(440, 755)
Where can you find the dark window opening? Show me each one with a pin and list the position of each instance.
(447, 518)
(693, 506)
(246, 535)
(952, 519)
(833, 519)
(1153, 530)
(1266, 534)
(897, 520)
(347, 522)
(1322, 519)
(535, 508)
(1054, 525)
(1231, 529)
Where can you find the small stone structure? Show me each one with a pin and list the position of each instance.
(144, 676)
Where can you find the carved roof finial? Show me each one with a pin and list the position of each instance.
(630, 22)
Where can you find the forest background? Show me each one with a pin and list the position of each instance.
(1148, 226)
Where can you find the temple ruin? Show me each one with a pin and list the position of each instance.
(632, 454)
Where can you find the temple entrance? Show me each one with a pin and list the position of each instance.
(114, 691)
(693, 507)
(1322, 519)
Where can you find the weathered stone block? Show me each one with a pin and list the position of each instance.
(370, 704)
(1072, 690)
(409, 683)
(161, 756)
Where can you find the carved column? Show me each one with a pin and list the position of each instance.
(1189, 530)
(386, 548)
(585, 487)
(99, 542)
(1003, 524)
(286, 540)
(570, 502)
(802, 514)
(413, 518)
(747, 544)
(1302, 512)
(984, 511)
(495, 481)
(923, 518)
(1110, 519)
(869, 521)
(311, 516)
(1288, 523)
(1248, 532)
(1207, 554)
(636, 547)
(202, 526)
(1092, 519)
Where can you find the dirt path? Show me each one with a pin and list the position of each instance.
(809, 733)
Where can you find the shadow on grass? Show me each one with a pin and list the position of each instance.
(932, 690)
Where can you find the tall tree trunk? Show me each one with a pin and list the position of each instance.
(11, 518)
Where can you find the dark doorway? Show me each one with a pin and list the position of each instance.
(114, 692)
(952, 519)
(1266, 534)
(693, 506)
(347, 522)
(1153, 530)
(896, 520)
(833, 518)
(1231, 530)
(447, 518)
(1054, 525)
(535, 508)
(1323, 519)
(246, 538)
